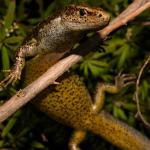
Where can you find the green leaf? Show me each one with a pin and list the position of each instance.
(131, 119)
(36, 144)
(10, 14)
(119, 113)
(97, 71)
(24, 131)
(106, 77)
(96, 67)
(49, 10)
(114, 44)
(14, 40)
(130, 106)
(144, 90)
(115, 111)
(40, 6)
(10, 124)
(7, 2)
(86, 71)
(98, 63)
(1, 143)
(5, 58)
(124, 50)
(2, 32)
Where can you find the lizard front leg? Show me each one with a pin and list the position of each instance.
(121, 81)
(15, 72)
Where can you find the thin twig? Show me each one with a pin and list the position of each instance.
(129, 14)
(137, 92)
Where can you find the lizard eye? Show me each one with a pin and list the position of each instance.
(82, 12)
(99, 15)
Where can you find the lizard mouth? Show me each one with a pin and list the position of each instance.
(92, 26)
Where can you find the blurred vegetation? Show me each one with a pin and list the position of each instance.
(125, 51)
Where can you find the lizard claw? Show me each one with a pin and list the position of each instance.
(13, 76)
(123, 80)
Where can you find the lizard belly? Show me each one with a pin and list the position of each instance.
(68, 102)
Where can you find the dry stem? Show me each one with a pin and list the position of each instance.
(137, 92)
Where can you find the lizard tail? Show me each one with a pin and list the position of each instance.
(117, 132)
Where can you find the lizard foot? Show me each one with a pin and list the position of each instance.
(14, 75)
(123, 80)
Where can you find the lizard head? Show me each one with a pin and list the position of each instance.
(84, 18)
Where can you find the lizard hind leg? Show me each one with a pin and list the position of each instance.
(111, 129)
(120, 82)
(77, 137)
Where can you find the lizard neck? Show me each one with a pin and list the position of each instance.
(55, 36)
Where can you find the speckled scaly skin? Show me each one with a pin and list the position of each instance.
(57, 33)
(69, 103)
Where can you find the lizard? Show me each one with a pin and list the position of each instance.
(58, 34)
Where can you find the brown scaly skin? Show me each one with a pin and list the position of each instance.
(69, 102)
(57, 33)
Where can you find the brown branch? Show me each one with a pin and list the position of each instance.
(25, 95)
(133, 10)
(137, 92)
